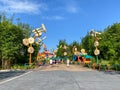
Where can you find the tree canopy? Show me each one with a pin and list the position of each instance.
(12, 50)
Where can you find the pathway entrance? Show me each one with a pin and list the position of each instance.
(63, 67)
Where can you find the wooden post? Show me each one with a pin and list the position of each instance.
(30, 59)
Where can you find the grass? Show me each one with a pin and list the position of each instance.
(104, 62)
(16, 66)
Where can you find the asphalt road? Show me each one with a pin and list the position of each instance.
(63, 80)
(10, 74)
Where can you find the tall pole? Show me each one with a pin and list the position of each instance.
(96, 52)
(30, 59)
(97, 59)
(96, 44)
(29, 41)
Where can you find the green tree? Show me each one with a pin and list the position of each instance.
(87, 43)
(110, 46)
(11, 50)
(60, 46)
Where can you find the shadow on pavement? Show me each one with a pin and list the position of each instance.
(5, 75)
(111, 72)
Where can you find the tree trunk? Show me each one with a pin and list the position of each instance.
(0, 63)
(5, 64)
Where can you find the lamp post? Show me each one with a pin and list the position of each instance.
(96, 43)
(35, 38)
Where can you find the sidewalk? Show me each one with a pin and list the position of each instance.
(64, 67)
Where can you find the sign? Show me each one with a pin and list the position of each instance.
(96, 43)
(97, 52)
(31, 40)
(25, 42)
(30, 50)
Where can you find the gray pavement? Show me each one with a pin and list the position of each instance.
(9, 74)
(64, 80)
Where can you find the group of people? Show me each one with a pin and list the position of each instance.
(51, 62)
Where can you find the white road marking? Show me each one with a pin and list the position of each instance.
(15, 77)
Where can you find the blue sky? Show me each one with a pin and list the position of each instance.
(64, 19)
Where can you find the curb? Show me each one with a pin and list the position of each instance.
(8, 70)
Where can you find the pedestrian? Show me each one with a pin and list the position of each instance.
(51, 62)
(68, 62)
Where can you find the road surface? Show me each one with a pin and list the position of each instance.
(63, 78)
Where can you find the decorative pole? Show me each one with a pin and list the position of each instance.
(97, 51)
(30, 49)
(65, 55)
(96, 44)
(65, 51)
(29, 41)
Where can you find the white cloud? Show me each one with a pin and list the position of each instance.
(72, 6)
(69, 6)
(54, 17)
(20, 6)
(72, 9)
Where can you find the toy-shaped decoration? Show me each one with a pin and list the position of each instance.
(96, 43)
(43, 27)
(74, 49)
(25, 42)
(83, 51)
(38, 31)
(31, 50)
(97, 52)
(65, 53)
(31, 40)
